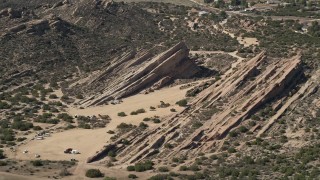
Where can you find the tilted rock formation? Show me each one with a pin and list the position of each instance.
(38, 27)
(136, 72)
(221, 108)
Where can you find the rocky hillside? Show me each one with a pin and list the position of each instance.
(40, 37)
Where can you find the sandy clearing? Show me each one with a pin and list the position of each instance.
(9, 176)
(90, 141)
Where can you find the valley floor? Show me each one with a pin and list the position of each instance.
(88, 141)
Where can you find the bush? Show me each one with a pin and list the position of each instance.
(194, 168)
(133, 113)
(79, 96)
(233, 134)
(37, 128)
(182, 102)
(139, 111)
(132, 176)
(110, 132)
(112, 154)
(3, 163)
(20, 139)
(146, 119)
(124, 126)
(168, 146)
(130, 168)
(173, 110)
(243, 129)
(183, 168)
(4, 105)
(66, 117)
(53, 96)
(144, 166)
(94, 173)
(163, 169)
(152, 108)
(122, 114)
(143, 125)
(156, 120)
(2, 156)
(231, 150)
(37, 163)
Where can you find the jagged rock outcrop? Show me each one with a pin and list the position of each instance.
(38, 27)
(135, 72)
(226, 104)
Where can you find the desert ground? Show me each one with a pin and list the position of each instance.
(88, 141)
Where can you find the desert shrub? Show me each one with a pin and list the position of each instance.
(143, 125)
(4, 105)
(53, 96)
(194, 167)
(37, 163)
(122, 114)
(124, 126)
(156, 120)
(37, 128)
(66, 117)
(143, 166)
(79, 96)
(231, 150)
(3, 163)
(196, 125)
(173, 110)
(132, 176)
(233, 134)
(168, 146)
(139, 111)
(183, 168)
(243, 129)
(20, 139)
(69, 126)
(152, 108)
(182, 102)
(110, 132)
(130, 168)
(94, 173)
(2, 156)
(163, 169)
(133, 113)
(21, 125)
(112, 154)
(146, 119)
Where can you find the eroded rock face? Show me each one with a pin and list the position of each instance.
(135, 72)
(235, 97)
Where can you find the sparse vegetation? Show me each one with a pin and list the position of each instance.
(94, 173)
